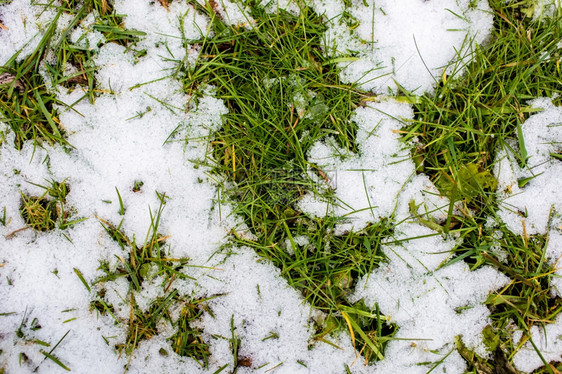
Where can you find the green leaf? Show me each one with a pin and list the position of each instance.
(469, 183)
(55, 360)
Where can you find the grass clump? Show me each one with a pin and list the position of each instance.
(26, 105)
(187, 341)
(74, 61)
(38, 213)
(149, 263)
(45, 212)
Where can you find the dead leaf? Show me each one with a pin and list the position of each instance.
(3, 27)
(7, 78)
(215, 8)
(165, 4)
(79, 79)
(245, 361)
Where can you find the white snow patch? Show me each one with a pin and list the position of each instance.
(548, 339)
(430, 305)
(407, 44)
(367, 184)
(24, 25)
(529, 208)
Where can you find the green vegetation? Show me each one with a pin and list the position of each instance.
(460, 129)
(283, 94)
(145, 263)
(26, 105)
(27, 102)
(45, 212)
(261, 74)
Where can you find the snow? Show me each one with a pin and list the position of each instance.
(375, 183)
(366, 185)
(545, 8)
(548, 340)
(408, 44)
(529, 208)
(142, 127)
(120, 139)
(419, 296)
(24, 26)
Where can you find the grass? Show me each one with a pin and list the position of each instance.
(462, 126)
(144, 263)
(26, 105)
(283, 95)
(48, 211)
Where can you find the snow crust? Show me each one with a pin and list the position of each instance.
(24, 25)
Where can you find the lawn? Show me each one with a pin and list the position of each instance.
(291, 186)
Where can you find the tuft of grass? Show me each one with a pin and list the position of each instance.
(26, 104)
(45, 212)
(187, 341)
(140, 264)
(38, 213)
(73, 56)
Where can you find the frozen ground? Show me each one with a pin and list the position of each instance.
(115, 147)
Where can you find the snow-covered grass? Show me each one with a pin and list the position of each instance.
(321, 186)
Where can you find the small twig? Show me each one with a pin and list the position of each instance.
(10, 235)
(170, 283)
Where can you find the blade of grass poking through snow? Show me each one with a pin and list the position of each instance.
(121, 206)
(49, 355)
(546, 364)
(81, 277)
(55, 360)
(350, 328)
(521, 142)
